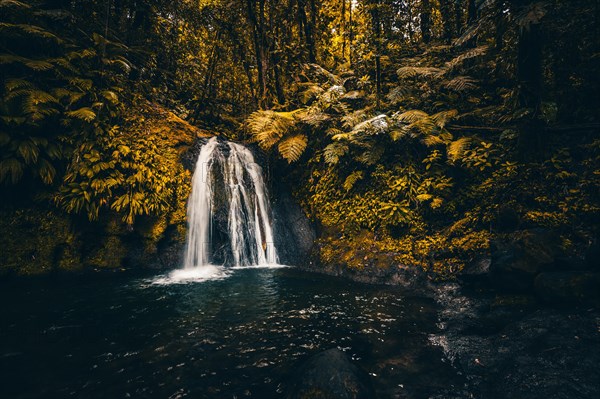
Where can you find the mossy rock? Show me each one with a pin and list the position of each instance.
(110, 254)
(35, 241)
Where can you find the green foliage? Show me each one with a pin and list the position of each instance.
(133, 169)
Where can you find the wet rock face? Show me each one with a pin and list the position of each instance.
(330, 375)
(294, 233)
(516, 262)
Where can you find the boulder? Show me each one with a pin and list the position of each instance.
(330, 375)
(575, 286)
(517, 261)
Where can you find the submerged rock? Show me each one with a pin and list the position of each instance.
(330, 375)
(576, 286)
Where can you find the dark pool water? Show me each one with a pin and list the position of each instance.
(121, 336)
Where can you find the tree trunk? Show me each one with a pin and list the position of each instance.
(425, 21)
(446, 11)
(376, 17)
(530, 78)
(458, 16)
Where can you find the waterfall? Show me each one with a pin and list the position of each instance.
(228, 180)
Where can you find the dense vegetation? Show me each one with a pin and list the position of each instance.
(417, 128)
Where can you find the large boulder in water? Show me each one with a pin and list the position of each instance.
(330, 375)
(515, 262)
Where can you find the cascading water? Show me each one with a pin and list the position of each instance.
(227, 178)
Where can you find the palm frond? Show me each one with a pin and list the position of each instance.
(11, 169)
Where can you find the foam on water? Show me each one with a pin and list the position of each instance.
(195, 275)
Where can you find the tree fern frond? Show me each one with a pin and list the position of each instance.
(456, 148)
(35, 98)
(352, 119)
(411, 116)
(13, 3)
(27, 29)
(371, 156)
(15, 84)
(374, 126)
(461, 83)
(432, 140)
(314, 118)
(441, 118)
(291, 148)
(472, 53)
(412, 72)
(11, 168)
(334, 151)
(85, 114)
(83, 84)
(352, 179)
(397, 94)
(36, 65)
(268, 127)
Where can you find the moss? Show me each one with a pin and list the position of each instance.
(444, 253)
(36, 241)
(110, 254)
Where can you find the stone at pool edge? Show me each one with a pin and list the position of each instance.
(568, 286)
(330, 375)
(515, 262)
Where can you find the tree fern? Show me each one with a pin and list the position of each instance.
(352, 179)
(85, 114)
(334, 152)
(456, 149)
(292, 147)
(413, 71)
(461, 83)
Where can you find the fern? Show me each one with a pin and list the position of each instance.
(412, 72)
(461, 83)
(441, 118)
(352, 179)
(352, 119)
(291, 148)
(268, 127)
(334, 152)
(456, 149)
(85, 114)
(472, 53)
(374, 126)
